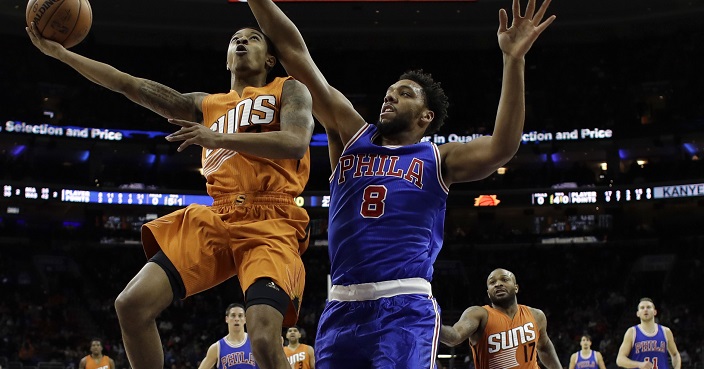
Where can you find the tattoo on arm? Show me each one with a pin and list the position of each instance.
(297, 107)
(166, 101)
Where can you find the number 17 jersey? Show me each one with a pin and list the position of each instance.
(387, 211)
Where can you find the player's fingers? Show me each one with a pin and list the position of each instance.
(541, 12)
(516, 9)
(181, 122)
(185, 144)
(545, 24)
(530, 9)
(179, 135)
(503, 21)
(35, 31)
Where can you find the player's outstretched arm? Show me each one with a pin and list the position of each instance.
(479, 158)
(161, 99)
(466, 326)
(332, 109)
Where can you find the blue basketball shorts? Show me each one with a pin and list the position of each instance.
(399, 332)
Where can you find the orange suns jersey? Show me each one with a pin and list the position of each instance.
(298, 358)
(257, 110)
(508, 343)
(103, 363)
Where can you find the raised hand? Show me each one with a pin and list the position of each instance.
(517, 40)
(48, 47)
(192, 133)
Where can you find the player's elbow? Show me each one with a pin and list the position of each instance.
(620, 361)
(502, 154)
(298, 151)
(451, 340)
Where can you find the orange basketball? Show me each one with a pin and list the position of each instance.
(64, 21)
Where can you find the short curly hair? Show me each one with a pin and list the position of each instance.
(435, 97)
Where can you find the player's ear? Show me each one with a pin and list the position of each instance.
(270, 61)
(516, 288)
(426, 118)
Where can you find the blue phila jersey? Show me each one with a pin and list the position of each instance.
(588, 362)
(650, 348)
(235, 355)
(387, 211)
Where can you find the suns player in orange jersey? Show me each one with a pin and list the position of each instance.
(96, 359)
(504, 335)
(256, 160)
(300, 356)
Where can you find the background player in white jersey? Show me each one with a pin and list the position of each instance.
(389, 191)
(586, 358)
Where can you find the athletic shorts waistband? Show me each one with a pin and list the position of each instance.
(253, 198)
(378, 290)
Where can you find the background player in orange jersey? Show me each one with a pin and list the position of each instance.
(255, 140)
(96, 359)
(586, 358)
(300, 356)
(504, 335)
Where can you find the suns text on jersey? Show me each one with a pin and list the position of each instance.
(368, 165)
(297, 357)
(511, 338)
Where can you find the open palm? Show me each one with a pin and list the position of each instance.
(517, 40)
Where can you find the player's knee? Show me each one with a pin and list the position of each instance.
(264, 347)
(125, 305)
(133, 309)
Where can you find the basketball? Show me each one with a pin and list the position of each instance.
(64, 21)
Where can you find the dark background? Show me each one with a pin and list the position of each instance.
(632, 67)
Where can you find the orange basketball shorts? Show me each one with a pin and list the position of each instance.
(252, 235)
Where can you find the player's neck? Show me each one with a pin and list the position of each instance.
(648, 326)
(236, 336)
(586, 352)
(292, 346)
(239, 82)
(509, 310)
(96, 357)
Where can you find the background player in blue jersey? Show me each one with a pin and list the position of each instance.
(233, 351)
(388, 194)
(646, 345)
(586, 358)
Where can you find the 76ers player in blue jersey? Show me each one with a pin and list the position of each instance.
(646, 345)
(388, 195)
(233, 351)
(586, 358)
